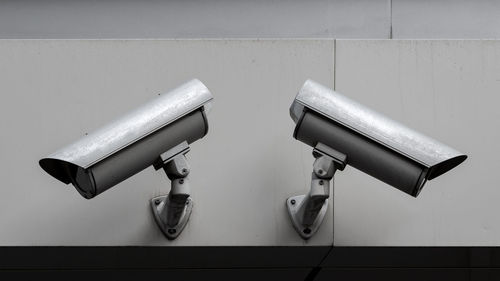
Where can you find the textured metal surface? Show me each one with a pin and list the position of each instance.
(305, 232)
(362, 153)
(170, 231)
(371, 124)
(137, 124)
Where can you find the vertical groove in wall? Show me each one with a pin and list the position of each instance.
(334, 64)
(333, 182)
(390, 19)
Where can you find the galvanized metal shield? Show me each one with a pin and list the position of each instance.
(373, 125)
(143, 121)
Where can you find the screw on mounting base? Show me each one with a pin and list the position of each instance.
(172, 211)
(164, 210)
(294, 210)
(308, 211)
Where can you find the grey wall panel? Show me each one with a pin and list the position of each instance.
(195, 19)
(53, 92)
(446, 19)
(447, 90)
(367, 19)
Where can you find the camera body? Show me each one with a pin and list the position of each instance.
(372, 142)
(130, 144)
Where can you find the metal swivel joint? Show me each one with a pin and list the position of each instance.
(307, 211)
(172, 211)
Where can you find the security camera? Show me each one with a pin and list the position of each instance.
(343, 132)
(156, 134)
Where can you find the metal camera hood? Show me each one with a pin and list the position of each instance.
(343, 132)
(392, 145)
(153, 128)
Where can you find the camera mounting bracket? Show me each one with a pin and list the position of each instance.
(172, 211)
(308, 211)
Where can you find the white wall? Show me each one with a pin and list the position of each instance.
(448, 90)
(244, 169)
(53, 92)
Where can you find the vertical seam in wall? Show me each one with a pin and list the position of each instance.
(333, 185)
(334, 64)
(390, 19)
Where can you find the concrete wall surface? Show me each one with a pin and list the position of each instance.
(367, 19)
(447, 90)
(54, 91)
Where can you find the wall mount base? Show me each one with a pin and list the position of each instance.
(293, 206)
(171, 232)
